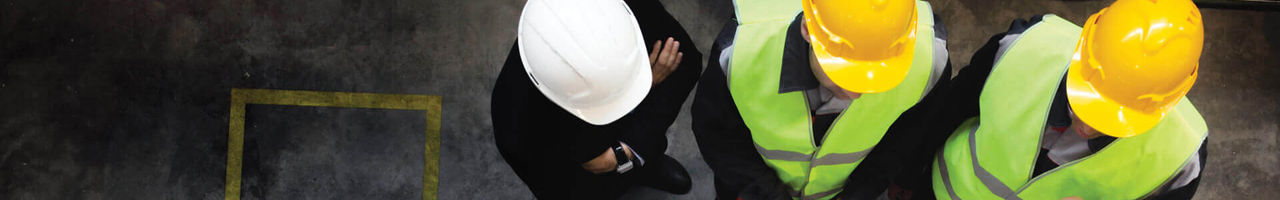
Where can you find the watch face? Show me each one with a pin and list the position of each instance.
(624, 164)
(623, 168)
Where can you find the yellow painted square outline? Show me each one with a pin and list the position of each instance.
(241, 97)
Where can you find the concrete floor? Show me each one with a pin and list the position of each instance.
(129, 99)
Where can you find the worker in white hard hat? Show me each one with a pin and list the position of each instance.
(582, 106)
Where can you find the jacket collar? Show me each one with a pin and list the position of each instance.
(796, 74)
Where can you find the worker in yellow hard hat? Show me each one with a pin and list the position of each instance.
(797, 94)
(1051, 110)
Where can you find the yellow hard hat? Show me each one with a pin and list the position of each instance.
(863, 46)
(1134, 61)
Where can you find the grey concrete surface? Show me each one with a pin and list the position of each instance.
(129, 99)
(308, 153)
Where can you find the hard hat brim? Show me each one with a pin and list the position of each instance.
(613, 110)
(869, 76)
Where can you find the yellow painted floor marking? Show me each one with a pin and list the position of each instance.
(241, 97)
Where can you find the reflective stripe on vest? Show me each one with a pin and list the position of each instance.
(781, 125)
(993, 156)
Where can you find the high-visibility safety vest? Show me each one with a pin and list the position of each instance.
(780, 123)
(992, 156)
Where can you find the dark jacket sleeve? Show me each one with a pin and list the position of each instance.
(525, 122)
(503, 113)
(531, 133)
(967, 86)
(645, 128)
(723, 138)
(962, 98)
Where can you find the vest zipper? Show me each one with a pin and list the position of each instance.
(1064, 165)
(1073, 162)
(814, 155)
(817, 149)
(1039, 140)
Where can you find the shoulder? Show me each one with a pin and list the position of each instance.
(722, 47)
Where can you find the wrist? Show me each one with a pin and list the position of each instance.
(631, 155)
(624, 161)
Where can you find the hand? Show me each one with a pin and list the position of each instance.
(606, 162)
(664, 59)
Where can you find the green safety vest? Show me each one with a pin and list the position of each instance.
(992, 156)
(781, 125)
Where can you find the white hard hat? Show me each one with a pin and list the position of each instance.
(587, 56)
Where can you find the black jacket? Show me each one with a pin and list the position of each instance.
(546, 145)
(740, 172)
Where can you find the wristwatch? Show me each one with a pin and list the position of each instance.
(624, 164)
